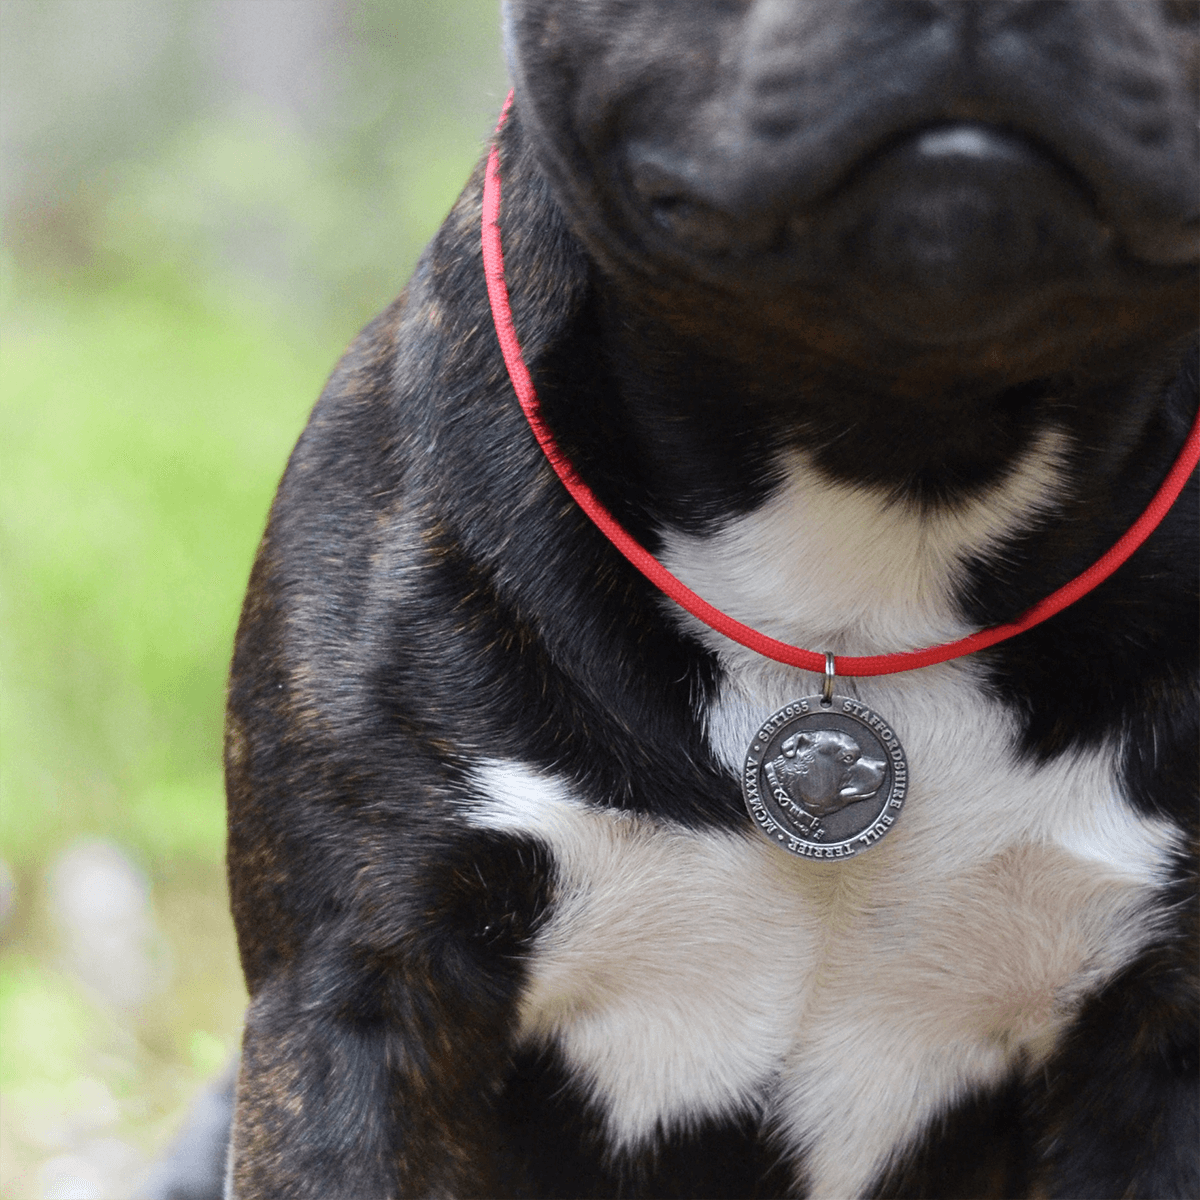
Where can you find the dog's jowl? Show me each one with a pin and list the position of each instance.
(874, 323)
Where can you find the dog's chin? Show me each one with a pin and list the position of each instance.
(953, 234)
(957, 233)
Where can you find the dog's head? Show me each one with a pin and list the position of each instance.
(974, 179)
(824, 770)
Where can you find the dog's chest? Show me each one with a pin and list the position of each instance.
(689, 975)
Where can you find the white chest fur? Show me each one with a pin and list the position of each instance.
(689, 975)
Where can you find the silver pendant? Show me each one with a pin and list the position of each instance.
(825, 777)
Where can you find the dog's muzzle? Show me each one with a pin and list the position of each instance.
(951, 171)
(945, 231)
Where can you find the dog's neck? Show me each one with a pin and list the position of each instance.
(941, 445)
(699, 433)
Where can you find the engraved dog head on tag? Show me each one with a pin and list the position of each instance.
(825, 781)
(823, 770)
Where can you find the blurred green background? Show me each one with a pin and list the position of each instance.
(203, 200)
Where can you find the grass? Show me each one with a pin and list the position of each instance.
(143, 427)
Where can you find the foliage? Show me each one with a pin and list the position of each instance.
(172, 295)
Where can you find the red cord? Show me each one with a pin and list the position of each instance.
(652, 569)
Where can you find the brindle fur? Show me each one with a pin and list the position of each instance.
(425, 595)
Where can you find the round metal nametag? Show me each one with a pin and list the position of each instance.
(825, 782)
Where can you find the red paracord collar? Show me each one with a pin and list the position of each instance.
(809, 660)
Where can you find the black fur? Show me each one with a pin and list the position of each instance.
(426, 596)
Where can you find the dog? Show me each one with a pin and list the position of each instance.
(822, 772)
(875, 324)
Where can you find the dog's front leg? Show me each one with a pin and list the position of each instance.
(372, 1070)
(1120, 1113)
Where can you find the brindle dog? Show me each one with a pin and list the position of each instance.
(876, 322)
